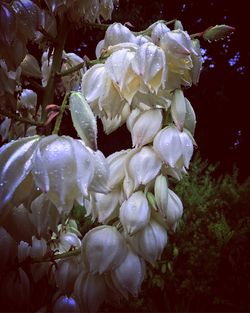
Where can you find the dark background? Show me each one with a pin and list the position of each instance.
(221, 99)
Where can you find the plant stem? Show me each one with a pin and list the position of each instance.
(57, 256)
(63, 28)
(60, 116)
(72, 69)
(20, 119)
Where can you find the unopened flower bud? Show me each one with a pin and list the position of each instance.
(217, 32)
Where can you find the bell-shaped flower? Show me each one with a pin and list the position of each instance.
(68, 241)
(118, 68)
(63, 168)
(101, 93)
(66, 304)
(135, 213)
(177, 42)
(90, 291)
(101, 172)
(174, 210)
(44, 215)
(15, 165)
(150, 64)
(66, 274)
(145, 127)
(116, 162)
(117, 33)
(161, 100)
(141, 39)
(158, 30)
(144, 166)
(178, 109)
(104, 206)
(93, 83)
(161, 194)
(110, 125)
(128, 277)
(172, 146)
(149, 242)
(103, 249)
(38, 247)
(83, 119)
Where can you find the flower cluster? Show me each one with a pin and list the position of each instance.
(139, 81)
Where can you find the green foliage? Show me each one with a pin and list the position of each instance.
(205, 248)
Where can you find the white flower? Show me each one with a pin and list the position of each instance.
(63, 168)
(103, 206)
(135, 213)
(174, 147)
(66, 273)
(178, 109)
(38, 247)
(67, 241)
(149, 242)
(168, 203)
(15, 165)
(145, 126)
(118, 68)
(103, 249)
(90, 291)
(116, 162)
(101, 93)
(150, 64)
(158, 30)
(144, 166)
(129, 276)
(44, 215)
(117, 33)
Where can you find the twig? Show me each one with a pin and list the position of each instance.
(72, 69)
(60, 116)
(57, 256)
(20, 119)
(47, 35)
(34, 84)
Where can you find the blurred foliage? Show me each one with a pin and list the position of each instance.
(206, 265)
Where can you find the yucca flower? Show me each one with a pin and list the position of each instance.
(61, 167)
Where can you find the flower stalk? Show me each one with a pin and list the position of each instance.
(60, 115)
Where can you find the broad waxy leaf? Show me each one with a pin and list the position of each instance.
(83, 119)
